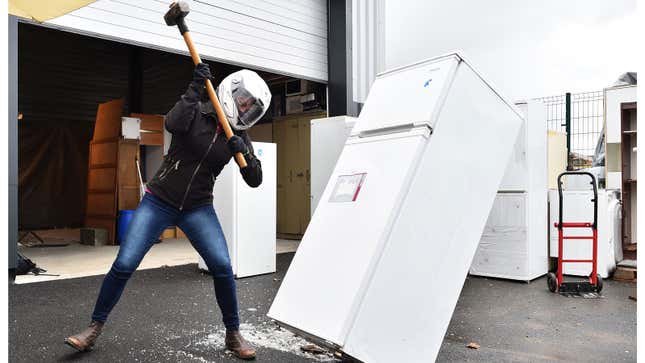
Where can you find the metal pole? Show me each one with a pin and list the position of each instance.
(568, 130)
(12, 121)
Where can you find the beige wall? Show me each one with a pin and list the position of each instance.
(557, 157)
(261, 133)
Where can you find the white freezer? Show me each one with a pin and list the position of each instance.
(514, 244)
(579, 208)
(382, 263)
(248, 215)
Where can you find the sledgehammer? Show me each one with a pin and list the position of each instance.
(175, 16)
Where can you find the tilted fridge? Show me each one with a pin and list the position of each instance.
(381, 265)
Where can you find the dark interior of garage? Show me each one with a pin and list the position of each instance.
(63, 77)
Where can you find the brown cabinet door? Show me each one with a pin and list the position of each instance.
(303, 174)
(293, 139)
(128, 178)
(292, 196)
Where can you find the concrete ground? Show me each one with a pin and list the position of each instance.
(77, 260)
(169, 315)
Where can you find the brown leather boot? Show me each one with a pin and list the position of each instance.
(238, 345)
(85, 340)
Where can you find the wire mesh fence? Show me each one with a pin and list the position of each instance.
(587, 112)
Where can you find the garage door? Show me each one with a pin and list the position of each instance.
(280, 36)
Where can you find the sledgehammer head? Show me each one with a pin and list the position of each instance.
(176, 14)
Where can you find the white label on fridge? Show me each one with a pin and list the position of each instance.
(347, 188)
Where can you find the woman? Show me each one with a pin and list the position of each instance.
(181, 194)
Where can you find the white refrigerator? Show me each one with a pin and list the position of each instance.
(248, 215)
(383, 261)
(514, 244)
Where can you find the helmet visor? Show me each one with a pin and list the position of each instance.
(249, 108)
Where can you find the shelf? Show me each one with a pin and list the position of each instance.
(627, 132)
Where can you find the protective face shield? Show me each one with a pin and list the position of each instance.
(244, 97)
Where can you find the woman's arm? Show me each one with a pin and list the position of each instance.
(252, 174)
(180, 117)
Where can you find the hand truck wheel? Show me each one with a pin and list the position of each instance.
(551, 282)
(599, 283)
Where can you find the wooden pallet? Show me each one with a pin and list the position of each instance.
(627, 274)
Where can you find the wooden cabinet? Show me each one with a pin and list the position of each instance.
(629, 172)
(113, 182)
(292, 136)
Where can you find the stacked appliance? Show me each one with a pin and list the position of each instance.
(514, 242)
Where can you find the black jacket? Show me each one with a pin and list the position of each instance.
(197, 154)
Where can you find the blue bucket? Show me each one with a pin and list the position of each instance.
(125, 216)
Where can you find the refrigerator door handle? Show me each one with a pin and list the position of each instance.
(391, 129)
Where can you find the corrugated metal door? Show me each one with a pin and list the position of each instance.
(280, 36)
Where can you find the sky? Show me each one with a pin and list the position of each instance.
(526, 49)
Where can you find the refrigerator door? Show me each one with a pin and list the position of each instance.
(503, 248)
(413, 96)
(517, 170)
(327, 276)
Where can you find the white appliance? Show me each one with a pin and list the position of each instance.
(130, 128)
(382, 263)
(296, 87)
(328, 136)
(248, 215)
(579, 208)
(293, 105)
(514, 244)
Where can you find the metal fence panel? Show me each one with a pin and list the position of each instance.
(587, 113)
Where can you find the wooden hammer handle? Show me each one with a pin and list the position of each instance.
(213, 97)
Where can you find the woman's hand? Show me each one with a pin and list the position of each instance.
(236, 145)
(201, 73)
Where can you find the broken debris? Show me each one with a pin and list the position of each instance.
(473, 345)
(312, 348)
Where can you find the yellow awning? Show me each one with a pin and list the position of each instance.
(44, 10)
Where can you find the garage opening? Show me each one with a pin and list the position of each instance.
(63, 78)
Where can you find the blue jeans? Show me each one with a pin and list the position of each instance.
(203, 230)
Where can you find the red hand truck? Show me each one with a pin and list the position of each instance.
(555, 282)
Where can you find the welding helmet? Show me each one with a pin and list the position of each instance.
(244, 97)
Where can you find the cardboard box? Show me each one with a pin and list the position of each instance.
(168, 233)
(94, 236)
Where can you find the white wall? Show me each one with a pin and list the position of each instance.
(368, 52)
(281, 36)
(525, 48)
